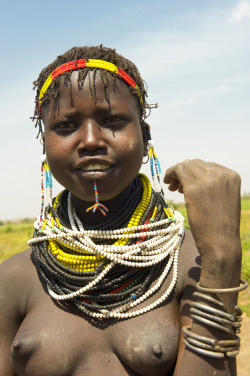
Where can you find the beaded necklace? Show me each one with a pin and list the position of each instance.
(106, 272)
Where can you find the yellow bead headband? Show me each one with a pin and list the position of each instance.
(90, 63)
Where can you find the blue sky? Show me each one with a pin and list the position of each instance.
(194, 56)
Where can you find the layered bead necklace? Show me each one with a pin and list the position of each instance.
(108, 270)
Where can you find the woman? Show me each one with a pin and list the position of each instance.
(111, 276)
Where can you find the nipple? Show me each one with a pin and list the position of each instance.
(23, 346)
(97, 204)
(157, 350)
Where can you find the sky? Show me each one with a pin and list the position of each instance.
(194, 56)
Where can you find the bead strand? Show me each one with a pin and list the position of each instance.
(107, 272)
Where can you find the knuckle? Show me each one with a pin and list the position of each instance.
(180, 167)
(236, 178)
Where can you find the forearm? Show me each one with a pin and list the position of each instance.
(218, 272)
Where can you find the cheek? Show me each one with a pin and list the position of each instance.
(134, 151)
(132, 144)
(57, 156)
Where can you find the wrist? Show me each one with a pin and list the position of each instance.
(220, 270)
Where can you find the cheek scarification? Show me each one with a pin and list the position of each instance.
(131, 144)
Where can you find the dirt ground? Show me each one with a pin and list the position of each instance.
(243, 359)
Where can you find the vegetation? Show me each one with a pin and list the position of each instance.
(14, 237)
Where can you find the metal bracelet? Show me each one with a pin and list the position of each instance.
(219, 320)
(214, 311)
(197, 294)
(188, 332)
(215, 318)
(212, 354)
(216, 348)
(211, 323)
(243, 285)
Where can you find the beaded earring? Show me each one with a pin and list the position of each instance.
(97, 204)
(155, 169)
(46, 188)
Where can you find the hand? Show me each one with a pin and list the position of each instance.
(212, 195)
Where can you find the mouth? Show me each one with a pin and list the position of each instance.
(95, 167)
(94, 171)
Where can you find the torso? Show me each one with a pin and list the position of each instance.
(52, 341)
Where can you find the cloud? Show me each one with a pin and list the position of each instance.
(209, 60)
(242, 10)
(199, 75)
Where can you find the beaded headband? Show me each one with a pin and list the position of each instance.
(88, 63)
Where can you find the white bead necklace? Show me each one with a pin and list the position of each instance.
(160, 244)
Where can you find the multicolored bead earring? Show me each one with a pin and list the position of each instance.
(97, 204)
(46, 187)
(155, 167)
(156, 177)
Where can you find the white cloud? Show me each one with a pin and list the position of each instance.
(242, 10)
(199, 75)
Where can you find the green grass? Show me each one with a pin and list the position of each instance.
(245, 203)
(14, 237)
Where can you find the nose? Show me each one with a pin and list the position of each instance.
(91, 137)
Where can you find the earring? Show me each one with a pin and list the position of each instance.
(155, 167)
(146, 160)
(156, 170)
(46, 188)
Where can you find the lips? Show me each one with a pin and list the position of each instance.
(94, 170)
(95, 167)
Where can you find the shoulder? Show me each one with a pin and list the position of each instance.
(189, 264)
(17, 264)
(16, 274)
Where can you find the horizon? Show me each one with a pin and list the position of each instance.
(194, 56)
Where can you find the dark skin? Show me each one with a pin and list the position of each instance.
(47, 340)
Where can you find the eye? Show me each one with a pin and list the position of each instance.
(65, 126)
(115, 119)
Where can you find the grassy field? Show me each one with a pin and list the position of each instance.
(14, 237)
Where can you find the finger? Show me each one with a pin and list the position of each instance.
(180, 189)
(181, 172)
(173, 185)
(187, 171)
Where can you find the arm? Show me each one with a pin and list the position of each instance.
(212, 195)
(12, 304)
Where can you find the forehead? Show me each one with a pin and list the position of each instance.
(97, 86)
(97, 91)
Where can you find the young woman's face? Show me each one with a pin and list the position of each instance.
(85, 141)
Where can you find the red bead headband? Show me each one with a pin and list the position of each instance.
(84, 63)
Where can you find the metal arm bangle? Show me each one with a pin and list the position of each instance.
(197, 294)
(243, 285)
(208, 316)
(211, 323)
(214, 311)
(210, 347)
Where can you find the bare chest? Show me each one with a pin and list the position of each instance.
(55, 342)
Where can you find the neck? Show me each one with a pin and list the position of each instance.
(97, 218)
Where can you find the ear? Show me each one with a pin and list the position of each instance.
(145, 127)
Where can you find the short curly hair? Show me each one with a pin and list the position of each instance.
(88, 52)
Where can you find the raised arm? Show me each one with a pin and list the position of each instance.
(212, 195)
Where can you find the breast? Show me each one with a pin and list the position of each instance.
(148, 344)
(56, 342)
